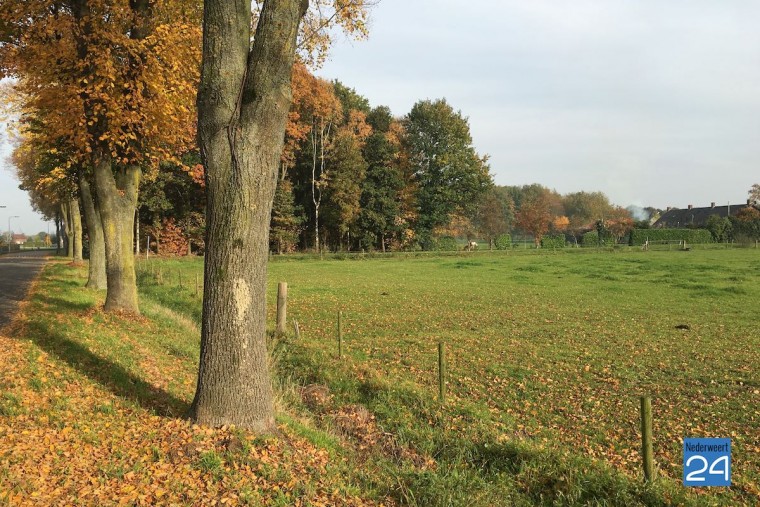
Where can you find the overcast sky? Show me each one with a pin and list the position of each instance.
(652, 102)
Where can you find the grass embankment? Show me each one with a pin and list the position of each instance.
(90, 408)
(548, 355)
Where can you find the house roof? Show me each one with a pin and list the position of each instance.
(696, 217)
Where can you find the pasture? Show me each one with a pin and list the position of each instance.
(548, 354)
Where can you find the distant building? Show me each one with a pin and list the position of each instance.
(674, 218)
(19, 239)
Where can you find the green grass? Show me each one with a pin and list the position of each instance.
(548, 355)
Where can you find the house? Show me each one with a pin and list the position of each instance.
(674, 218)
(19, 239)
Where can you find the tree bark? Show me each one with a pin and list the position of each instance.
(243, 102)
(116, 192)
(137, 233)
(97, 266)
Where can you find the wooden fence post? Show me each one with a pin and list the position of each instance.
(340, 335)
(646, 437)
(441, 373)
(282, 307)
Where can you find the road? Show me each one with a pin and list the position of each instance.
(17, 270)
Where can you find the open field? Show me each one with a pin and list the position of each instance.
(547, 354)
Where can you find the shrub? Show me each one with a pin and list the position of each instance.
(639, 236)
(553, 241)
(446, 244)
(591, 238)
(503, 242)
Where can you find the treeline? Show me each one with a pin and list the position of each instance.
(357, 178)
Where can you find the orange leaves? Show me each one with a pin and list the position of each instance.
(91, 86)
(71, 441)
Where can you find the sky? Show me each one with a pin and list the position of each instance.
(653, 103)
(16, 202)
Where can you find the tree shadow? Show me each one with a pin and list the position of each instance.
(65, 304)
(108, 374)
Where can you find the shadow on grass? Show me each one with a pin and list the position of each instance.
(110, 375)
(65, 304)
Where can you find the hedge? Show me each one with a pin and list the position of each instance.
(591, 238)
(696, 236)
(557, 241)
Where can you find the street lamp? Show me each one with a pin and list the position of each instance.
(10, 236)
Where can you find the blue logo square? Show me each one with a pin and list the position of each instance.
(706, 461)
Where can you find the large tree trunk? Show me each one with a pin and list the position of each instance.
(116, 192)
(76, 229)
(243, 102)
(97, 267)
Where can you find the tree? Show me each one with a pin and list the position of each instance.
(584, 209)
(103, 77)
(721, 228)
(450, 174)
(494, 216)
(535, 215)
(348, 169)
(754, 193)
(619, 223)
(285, 224)
(380, 193)
(746, 224)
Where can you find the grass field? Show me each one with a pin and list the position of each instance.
(548, 354)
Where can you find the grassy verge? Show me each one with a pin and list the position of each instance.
(90, 414)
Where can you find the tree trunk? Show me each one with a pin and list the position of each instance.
(97, 267)
(243, 102)
(76, 229)
(58, 233)
(68, 244)
(137, 233)
(116, 192)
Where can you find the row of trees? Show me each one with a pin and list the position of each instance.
(106, 95)
(354, 177)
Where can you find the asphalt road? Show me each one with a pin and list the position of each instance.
(17, 271)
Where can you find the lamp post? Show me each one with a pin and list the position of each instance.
(10, 236)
